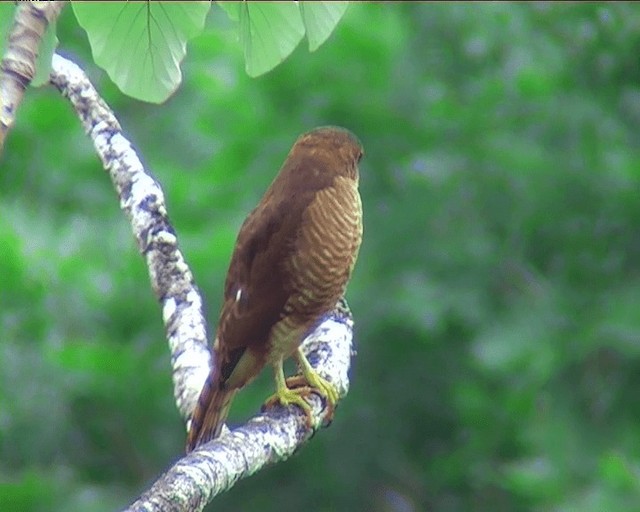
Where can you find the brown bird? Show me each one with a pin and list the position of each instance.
(292, 260)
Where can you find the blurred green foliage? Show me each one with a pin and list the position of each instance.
(497, 295)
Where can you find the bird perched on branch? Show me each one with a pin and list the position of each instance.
(292, 260)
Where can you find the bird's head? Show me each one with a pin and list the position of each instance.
(336, 146)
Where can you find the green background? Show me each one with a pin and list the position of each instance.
(497, 294)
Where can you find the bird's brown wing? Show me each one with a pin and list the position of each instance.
(255, 290)
(254, 298)
(260, 279)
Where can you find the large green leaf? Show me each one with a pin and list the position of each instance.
(320, 18)
(269, 32)
(141, 45)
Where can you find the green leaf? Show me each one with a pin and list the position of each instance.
(45, 54)
(232, 9)
(269, 32)
(141, 45)
(320, 18)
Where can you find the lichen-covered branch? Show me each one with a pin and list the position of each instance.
(143, 201)
(269, 437)
(18, 66)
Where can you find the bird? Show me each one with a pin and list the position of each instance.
(292, 260)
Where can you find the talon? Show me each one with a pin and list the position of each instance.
(322, 386)
(286, 396)
(297, 381)
(293, 390)
(301, 385)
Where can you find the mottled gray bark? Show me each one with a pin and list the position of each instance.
(18, 66)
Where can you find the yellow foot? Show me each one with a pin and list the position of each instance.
(312, 382)
(323, 386)
(295, 389)
(286, 396)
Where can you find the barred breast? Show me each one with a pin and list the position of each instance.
(325, 254)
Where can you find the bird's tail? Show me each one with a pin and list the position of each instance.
(210, 413)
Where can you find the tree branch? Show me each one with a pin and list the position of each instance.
(142, 200)
(18, 66)
(269, 437)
